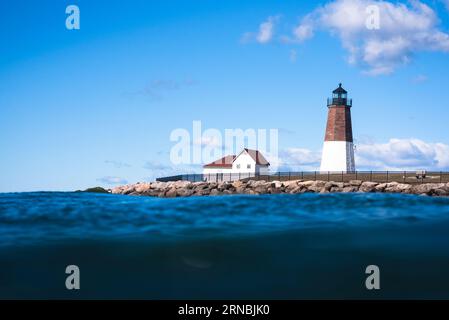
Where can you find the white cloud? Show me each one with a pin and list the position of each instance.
(265, 33)
(402, 154)
(303, 31)
(159, 170)
(246, 37)
(209, 141)
(118, 164)
(157, 89)
(420, 78)
(112, 180)
(157, 166)
(396, 154)
(297, 159)
(403, 31)
(266, 30)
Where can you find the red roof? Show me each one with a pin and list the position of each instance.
(258, 157)
(225, 162)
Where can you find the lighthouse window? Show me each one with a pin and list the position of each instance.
(248, 166)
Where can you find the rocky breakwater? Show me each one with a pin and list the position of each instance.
(186, 188)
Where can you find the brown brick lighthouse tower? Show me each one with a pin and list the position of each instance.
(338, 148)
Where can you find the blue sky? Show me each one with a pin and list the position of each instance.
(96, 106)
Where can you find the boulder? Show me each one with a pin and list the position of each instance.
(184, 192)
(202, 192)
(381, 187)
(259, 183)
(356, 183)
(306, 183)
(152, 193)
(262, 189)
(182, 184)
(117, 190)
(212, 185)
(324, 190)
(316, 186)
(215, 192)
(427, 188)
(368, 186)
(391, 185)
(297, 189)
(171, 193)
(142, 187)
(441, 192)
(335, 186)
(240, 189)
(398, 188)
(290, 184)
(224, 185)
(350, 189)
(275, 190)
(327, 187)
(336, 189)
(158, 185)
(200, 185)
(319, 183)
(404, 187)
(129, 189)
(250, 183)
(237, 184)
(276, 184)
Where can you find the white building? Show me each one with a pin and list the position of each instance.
(248, 163)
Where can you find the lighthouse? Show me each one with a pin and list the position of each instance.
(338, 148)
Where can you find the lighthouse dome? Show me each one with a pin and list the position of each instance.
(339, 90)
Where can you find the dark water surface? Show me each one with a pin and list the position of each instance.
(271, 246)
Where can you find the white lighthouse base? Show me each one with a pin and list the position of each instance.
(338, 156)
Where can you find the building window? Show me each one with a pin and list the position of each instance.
(248, 166)
(238, 166)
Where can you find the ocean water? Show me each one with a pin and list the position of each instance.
(224, 247)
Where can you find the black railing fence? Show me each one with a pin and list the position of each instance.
(413, 177)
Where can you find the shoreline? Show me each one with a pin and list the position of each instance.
(175, 189)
